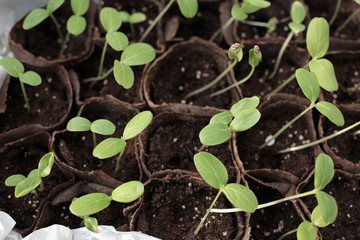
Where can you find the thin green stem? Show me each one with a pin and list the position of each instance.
(202, 148)
(207, 213)
(102, 59)
(132, 29)
(57, 27)
(312, 105)
(41, 188)
(341, 27)
(63, 45)
(255, 23)
(94, 139)
(336, 12)
(234, 84)
(94, 79)
(156, 20)
(118, 161)
(281, 53)
(25, 96)
(296, 148)
(218, 78)
(288, 233)
(222, 29)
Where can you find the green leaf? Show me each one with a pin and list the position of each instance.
(325, 73)
(45, 164)
(53, 5)
(123, 75)
(324, 171)
(244, 103)
(254, 58)
(246, 119)
(27, 185)
(296, 27)
(214, 134)
(241, 197)
(80, 7)
(259, 3)
(117, 40)
(78, 124)
(31, 78)
(128, 192)
(238, 13)
(326, 211)
(236, 52)
(357, 1)
(76, 25)
(138, 54)
(308, 83)
(223, 117)
(188, 8)
(317, 37)
(12, 66)
(103, 127)
(14, 180)
(34, 18)
(297, 12)
(89, 204)
(91, 224)
(137, 18)
(249, 8)
(110, 19)
(331, 112)
(211, 169)
(109, 148)
(124, 16)
(33, 173)
(137, 124)
(306, 231)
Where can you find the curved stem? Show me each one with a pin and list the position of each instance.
(118, 160)
(156, 20)
(102, 59)
(341, 27)
(25, 96)
(288, 233)
(312, 105)
(132, 29)
(207, 213)
(281, 53)
(234, 84)
(222, 29)
(296, 148)
(255, 23)
(41, 188)
(94, 79)
(57, 27)
(218, 78)
(335, 14)
(63, 45)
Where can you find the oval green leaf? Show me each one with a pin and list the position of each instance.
(137, 124)
(14, 180)
(78, 124)
(124, 16)
(123, 75)
(80, 7)
(244, 103)
(117, 40)
(325, 73)
(110, 19)
(297, 12)
(76, 25)
(27, 185)
(34, 18)
(324, 171)
(128, 192)
(138, 54)
(254, 58)
(45, 164)
(31, 78)
(103, 127)
(32, 173)
(223, 117)
(246, 119)
(241, 197)
(317, 37)
(109, 148)
(331, 112)
(326, 211)
(211, 169)
(308, 83)
(91, 224)
(188, 8)
(214, 134)
(137, 18)
(89, 204)
(296, 27)
(12, 66)
(306, 231)
(259, 3)
(238, 13)
(53, 5)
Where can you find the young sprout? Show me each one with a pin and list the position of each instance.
(100, 126)
(132, 19)
(113, 146)
(215, 174)
(309, 84)
(24, 185)
(95, 202)
(36, 16)
(336, 12)
(298, 14)
(343, 25)
(16, 69)
(188, 9)
(76, 24)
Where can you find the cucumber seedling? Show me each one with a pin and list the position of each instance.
(134, 18)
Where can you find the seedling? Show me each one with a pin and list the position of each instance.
(188, 9)
(346, 22)
(16, 69)
(95, 202)
(113, 146)
(134, 18)
(242, 116)
(24, 185)
(298, 14)
(309, 85)
(100, 126)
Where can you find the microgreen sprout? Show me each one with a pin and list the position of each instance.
(16, 69)
(100, 126)
(346, 22)
(113, 146)
(309, 84)
(134, 18)
(24, 185)
(95, 202)
(298, 14)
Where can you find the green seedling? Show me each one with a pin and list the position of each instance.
(95, 202)
(16, 69)
(188, 9)
(346, 22)
(242, 116)
(323, 215)
(215, 174)
(24, 185)
(134, 18)
(113, 146)
(309, 85)
(76, 24)
(235, 53)
(298, 14)
(240, 13)
(37, 16)
(100, 126)
(336, 12)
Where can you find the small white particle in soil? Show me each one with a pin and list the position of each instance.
(243, 35)
(191, 103)
(351, 206)
(105, 82)
(213, 217)
(39, 110)
(348, 215)
(46, 89)
(290, 135)
(271, 142)
(83, 138)
(205, 75)
(286, 28)
(175, 140)
(181, 88)
(261, 80)
(37, 94)
(198, 74)
(354, 189)
(273, 60)
(196, 209)
(339, 177)
(295, 132)
(9, 196)
(224, 234)
(84, 165)
(66, 217)
(301, 137)
(180, 58)
(266, 234)
(183, 101)
(154, 215)
(356, 73)
(333, 225)
(62, 215)
(281, 70)
(335, 96)
(54, 97)
(49, 80)
(34, 216)
(183, 206)
(182, 69)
